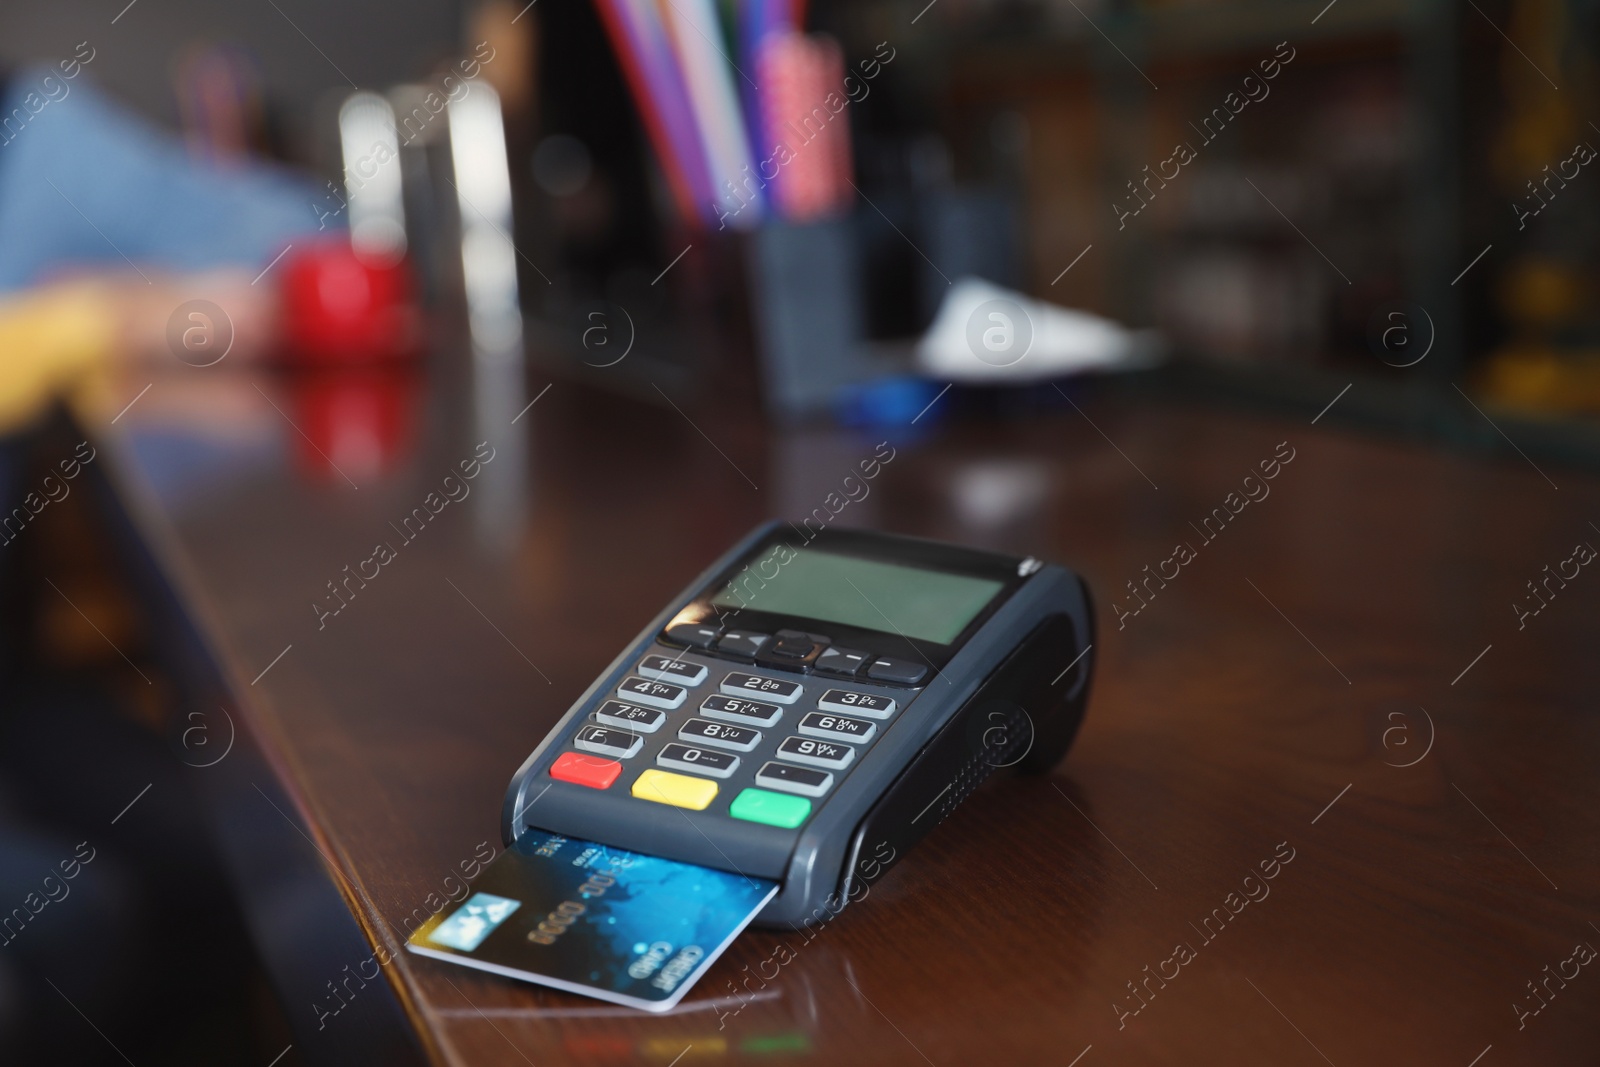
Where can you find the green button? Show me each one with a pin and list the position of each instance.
(774, 809)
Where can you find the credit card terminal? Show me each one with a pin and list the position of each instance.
(812, 705)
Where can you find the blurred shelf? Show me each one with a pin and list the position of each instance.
(1410, 407)
(1197, 32)
(1204, 30)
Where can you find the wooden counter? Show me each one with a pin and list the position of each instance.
(1334, 801)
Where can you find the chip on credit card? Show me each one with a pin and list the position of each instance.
(587, 918)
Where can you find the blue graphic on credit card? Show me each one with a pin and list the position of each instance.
(474, 921)
(622, 926)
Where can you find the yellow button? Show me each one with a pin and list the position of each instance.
(679, 790)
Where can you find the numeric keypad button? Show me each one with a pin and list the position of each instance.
(816, 753)
(872, 705)
(779, 690)
(655, 694)
(720, 735)
(837, 727)
(739, 710)
(630, 717)
(666, 669)
(698, 760)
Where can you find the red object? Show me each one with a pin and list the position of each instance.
(587, 1046)
(591, 771)
(342, 307)
(355, 421)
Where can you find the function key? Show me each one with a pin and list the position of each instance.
(656, 694)
(699, 760)
(902, 671)
(694, 634)
(742, 643)
(846, 662)
(774, 809)
(790, 650)
(735, 709)
(607, 742)
(753, 685)
(681, 671)
(679, 790)
(837, 727)
(579, 769)
(807, 781)
(721, 735)
(816, 753)
(869, 704)
(630, 717)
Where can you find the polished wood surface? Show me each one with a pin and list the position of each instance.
(1334, 689)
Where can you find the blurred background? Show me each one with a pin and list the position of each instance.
(1276, 199)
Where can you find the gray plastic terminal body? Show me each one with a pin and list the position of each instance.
(808, 861)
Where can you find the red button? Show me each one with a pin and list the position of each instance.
(592, 771)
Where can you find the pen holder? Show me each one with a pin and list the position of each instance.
(808, 313)
(810, 286)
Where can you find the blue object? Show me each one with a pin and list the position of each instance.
(890, 402)
(626, 927)
(86, 183)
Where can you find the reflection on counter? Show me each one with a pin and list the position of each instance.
(356, 423)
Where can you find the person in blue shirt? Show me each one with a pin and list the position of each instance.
(85, 183)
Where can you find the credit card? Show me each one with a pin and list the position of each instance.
(587, 918)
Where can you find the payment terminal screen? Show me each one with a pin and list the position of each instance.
(927, 605)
